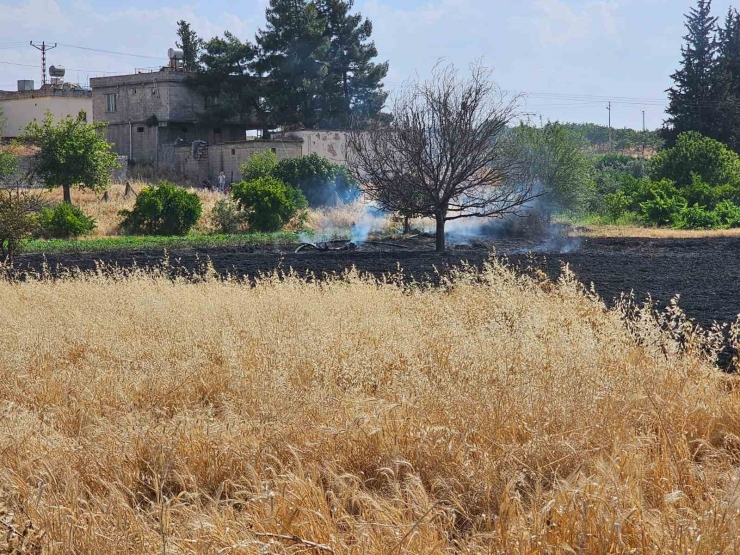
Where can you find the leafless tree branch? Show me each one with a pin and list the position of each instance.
(446, 153)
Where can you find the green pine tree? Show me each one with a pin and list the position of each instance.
(353, 86)
(692, 104)
(227, 82)
(292, 57)
(728, 80)
(189, 43)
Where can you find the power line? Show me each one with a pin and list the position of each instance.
(110, 52)
(69, 68)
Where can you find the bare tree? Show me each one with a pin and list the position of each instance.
(446, 153)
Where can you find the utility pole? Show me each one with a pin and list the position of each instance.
(610, 125)
(43, 47)
(643, 133)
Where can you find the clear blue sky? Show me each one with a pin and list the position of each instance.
(572, 56)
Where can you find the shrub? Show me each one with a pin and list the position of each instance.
(662, 205)
(162, 210)
(317, 178)
(268, 203)
(698, 217)
(63, 221)
(226, 216)
(259, 165)
(728, 213)
(18, 215)
(694, 154)
(617, 204)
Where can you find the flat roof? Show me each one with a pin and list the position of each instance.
(162, 76)
(45, 92)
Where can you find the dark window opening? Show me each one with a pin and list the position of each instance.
(139, 129)
(233, 152)
(274, 150)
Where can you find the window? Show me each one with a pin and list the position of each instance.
(139, 129)
(233, 152)
(110, 102)
(274, 150)
(134, 91)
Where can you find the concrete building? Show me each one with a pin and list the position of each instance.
(157, 118)
(148, 112)
(23, 106)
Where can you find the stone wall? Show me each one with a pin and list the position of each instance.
(327, 144)
(226, 157)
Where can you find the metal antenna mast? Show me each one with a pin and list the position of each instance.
(43, 47)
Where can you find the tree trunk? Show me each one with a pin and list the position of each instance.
(406, 225)
(440, 239)
(67, 194)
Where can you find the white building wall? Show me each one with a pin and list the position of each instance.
(327, 144)
(19, 112)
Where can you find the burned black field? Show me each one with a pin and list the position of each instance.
(704, 272)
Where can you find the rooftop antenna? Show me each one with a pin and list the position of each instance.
(43, 47)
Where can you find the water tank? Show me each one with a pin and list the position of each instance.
(175, 54)
(25, 85)
(56, 71)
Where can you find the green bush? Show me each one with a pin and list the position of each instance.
(226, 216)
(18, 220)
(317, 178)
(617, 204)
(259, 165)
(698, 217)
(660, 203)
(63, 221)
(268, 203)
(728, 214)
(162, 210)
(694, 154)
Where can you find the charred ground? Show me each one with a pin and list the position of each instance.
(704, 272)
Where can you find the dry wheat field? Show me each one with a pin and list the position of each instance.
(493, 414)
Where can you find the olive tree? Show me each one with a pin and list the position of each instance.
(72, 153)
(446, 153)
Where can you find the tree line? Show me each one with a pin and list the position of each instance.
(312, 65)
(705, 96)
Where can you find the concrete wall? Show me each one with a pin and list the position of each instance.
(327, 144)
(225, 157)
(140, 96)
(19, 112)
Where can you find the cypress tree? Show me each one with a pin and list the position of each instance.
(293, 48)
(692, 100)
(728, 80)
(189, 43)
(353, 85)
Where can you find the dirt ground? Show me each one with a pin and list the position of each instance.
(704, 271)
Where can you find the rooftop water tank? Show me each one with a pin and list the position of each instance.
(25, 85)
(56, 71)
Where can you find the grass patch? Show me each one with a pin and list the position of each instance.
(130, 242)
